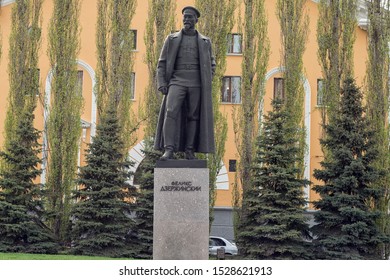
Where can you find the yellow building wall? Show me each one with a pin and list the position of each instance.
(87, 63)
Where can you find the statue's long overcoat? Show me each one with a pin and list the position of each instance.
(165, 67)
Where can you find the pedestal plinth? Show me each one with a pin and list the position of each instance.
(181, 210)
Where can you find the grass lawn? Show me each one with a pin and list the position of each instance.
(19, 256)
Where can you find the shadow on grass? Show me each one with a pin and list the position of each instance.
(21, 256)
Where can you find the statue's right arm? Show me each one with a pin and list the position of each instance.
(161, 69)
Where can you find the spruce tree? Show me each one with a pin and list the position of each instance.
(21, 205)
(101, 218)
(275, 226)
(346, 227)
(142, 236)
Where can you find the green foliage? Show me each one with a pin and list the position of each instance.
(25, 41)
(294, 23)
(346, 226)
(64, 125)
(142, 236)
(160, 22)
(1, 45)
(22, 227)
(101, 218)
(336, 37)
(254, 67)
(294, 30)
(217, 15)
(275, 226)
(377, 80)
(114, 43)
(102, 50)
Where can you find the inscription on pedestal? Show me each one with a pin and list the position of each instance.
(181, 186)
(181, 214)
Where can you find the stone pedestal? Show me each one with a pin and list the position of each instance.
(181, 210)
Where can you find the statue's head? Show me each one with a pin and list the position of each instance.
(190, 17)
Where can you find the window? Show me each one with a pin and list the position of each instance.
(231, 90)
(278, 88)
(80, 78)
(134, 38)
(234, 43)
(132, 93)
(232, 165)
(320, 92)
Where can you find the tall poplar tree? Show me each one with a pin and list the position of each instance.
(294, 23)
(114, 43)
(217, 16)
(275, 226)
(254, 67)
(25, 42)
(294, 30)
(21, 200)
(377, 81)
(160, 22)
(1, 45)
(335, 36)
(345, 223)
(64, 123)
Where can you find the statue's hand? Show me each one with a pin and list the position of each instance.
(163, 90)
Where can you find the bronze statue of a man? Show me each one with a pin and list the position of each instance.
(184, 74)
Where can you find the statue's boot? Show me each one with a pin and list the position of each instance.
(190, 139)
(169, 138)
(168, 154)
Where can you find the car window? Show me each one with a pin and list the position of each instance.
(218, 242)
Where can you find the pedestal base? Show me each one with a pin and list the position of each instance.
(181, 211)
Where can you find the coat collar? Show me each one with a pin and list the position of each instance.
(179, 34)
